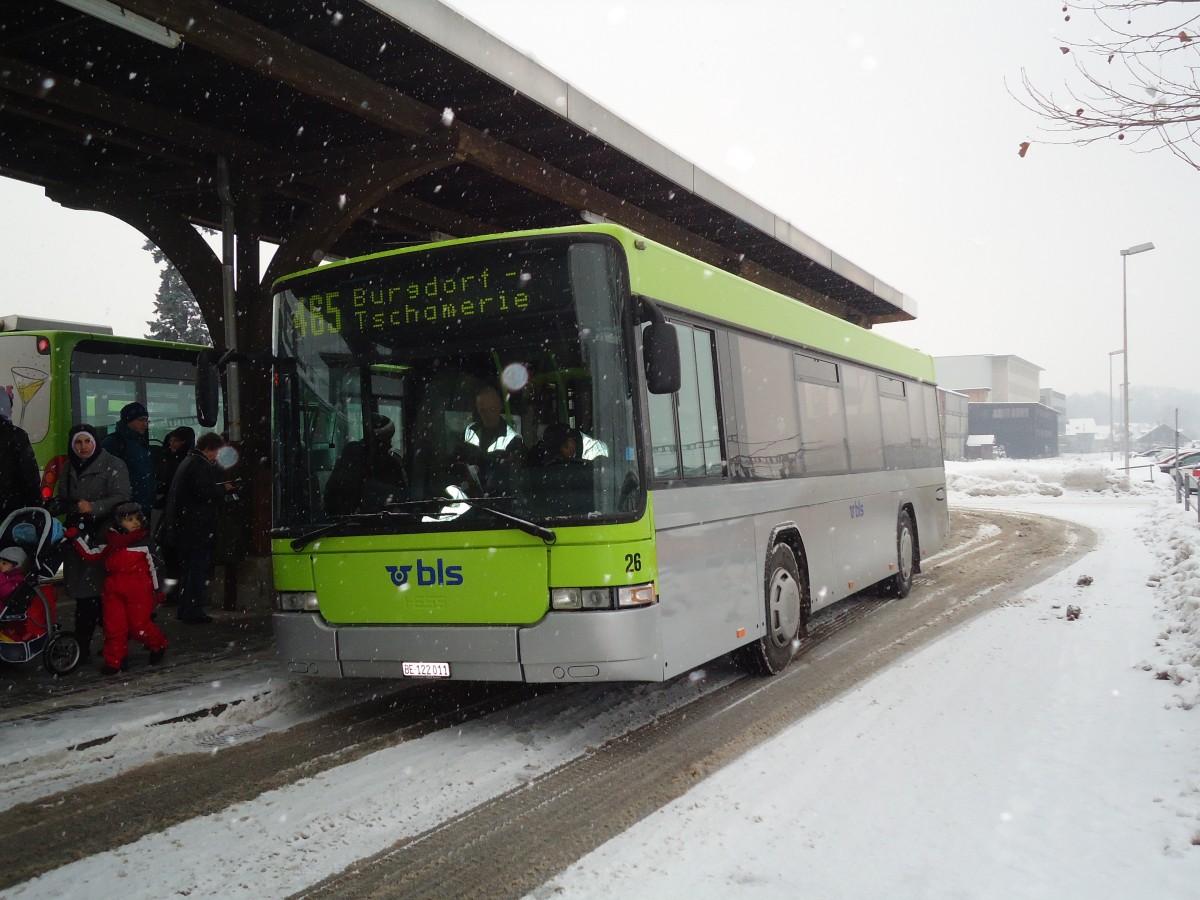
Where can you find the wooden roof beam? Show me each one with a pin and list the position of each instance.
(76, 96)
(336, 211)
(218, 30)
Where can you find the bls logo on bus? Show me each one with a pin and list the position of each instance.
(856, 510)
(427, 575)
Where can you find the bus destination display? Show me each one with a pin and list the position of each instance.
(430, 298)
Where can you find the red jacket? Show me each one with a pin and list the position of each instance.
(123, 553)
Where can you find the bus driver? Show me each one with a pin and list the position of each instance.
(492, 447)
(490, 432)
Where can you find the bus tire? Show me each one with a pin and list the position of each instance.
(785, 595)
(900, 584)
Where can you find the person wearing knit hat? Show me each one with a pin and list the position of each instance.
(19, 477)
(133, 412)
(129, 442)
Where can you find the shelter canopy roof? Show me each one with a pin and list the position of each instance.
(352, 130)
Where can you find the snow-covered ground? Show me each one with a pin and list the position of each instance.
(1024, 755)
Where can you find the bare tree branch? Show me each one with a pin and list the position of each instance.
(1139, 84)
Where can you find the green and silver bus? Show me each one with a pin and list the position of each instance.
(64, 373)
(690, 464)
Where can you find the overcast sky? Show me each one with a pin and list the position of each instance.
(884, 130)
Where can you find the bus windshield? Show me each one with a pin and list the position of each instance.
(420, 390)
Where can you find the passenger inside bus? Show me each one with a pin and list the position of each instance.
(548, 403)
(368, 475)
(559, 446)
(558, 480)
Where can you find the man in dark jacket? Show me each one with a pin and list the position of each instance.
(19, 481)
(190, 522)
(128, 442)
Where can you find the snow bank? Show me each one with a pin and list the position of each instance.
(1171, 532)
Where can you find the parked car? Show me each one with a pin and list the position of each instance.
(1191, 478)
(1184, 463)
(1170, 460)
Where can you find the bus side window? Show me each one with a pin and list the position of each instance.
(101, 397)
(769, 434)
(823, 414)
(864, 423)
(685, 429)
(665, 443)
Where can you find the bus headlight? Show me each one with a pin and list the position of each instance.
(601, 598)
(566, 598)
(296, 601)
(581, 598)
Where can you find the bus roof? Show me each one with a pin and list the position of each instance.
(18, 322)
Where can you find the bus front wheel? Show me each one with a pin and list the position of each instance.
(786, 592)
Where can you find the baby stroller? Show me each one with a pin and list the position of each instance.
(29, 621)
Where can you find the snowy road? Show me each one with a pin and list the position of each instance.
(455, 788)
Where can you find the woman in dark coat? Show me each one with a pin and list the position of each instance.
(95, 482)
(176, 446)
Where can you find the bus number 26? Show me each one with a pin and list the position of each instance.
(633, 562)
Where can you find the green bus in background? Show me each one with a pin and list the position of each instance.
(64, 373)
(688, 464)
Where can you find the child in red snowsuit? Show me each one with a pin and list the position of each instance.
(131, 588)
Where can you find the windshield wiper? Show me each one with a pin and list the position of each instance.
(531, 528)
(523, 524)
(405, 509)
(354, 518)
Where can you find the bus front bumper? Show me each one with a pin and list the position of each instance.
(610, 645)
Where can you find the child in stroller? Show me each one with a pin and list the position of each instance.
(31, 538)
(12, 572)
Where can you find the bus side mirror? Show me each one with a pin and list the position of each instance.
(208, 388)
(660, 351)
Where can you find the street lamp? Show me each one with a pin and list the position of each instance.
(1139, 248)
(1111, 430)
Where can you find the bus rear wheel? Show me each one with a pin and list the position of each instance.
(786, 598)
(900, 584)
